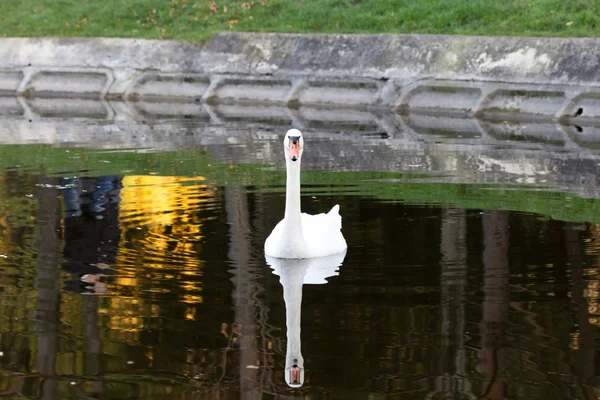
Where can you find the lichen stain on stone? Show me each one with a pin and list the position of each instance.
(428, 57)
(257, 52)
(451, 60)
(265, 68)
(524, 60)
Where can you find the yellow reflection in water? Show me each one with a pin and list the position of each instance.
(152, 201)
(159, 250)
(592, 290)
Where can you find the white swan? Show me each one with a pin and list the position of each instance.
(292, 275)
(300, 235)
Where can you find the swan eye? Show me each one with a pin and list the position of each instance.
(294, 140)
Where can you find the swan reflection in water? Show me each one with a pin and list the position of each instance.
(294, 273)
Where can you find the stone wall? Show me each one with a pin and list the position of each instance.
(497, 77)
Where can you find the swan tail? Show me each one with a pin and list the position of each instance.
(334, 213)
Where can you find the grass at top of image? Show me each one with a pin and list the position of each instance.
(196, 20)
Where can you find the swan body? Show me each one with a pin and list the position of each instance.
(299, 235)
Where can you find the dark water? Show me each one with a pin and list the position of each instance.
(139, 274)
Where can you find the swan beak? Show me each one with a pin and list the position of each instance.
(295, 378)
(295, 150)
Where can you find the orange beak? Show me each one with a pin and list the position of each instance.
(295, 375)
(295, 150)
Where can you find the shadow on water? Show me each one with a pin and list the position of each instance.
(132, 265)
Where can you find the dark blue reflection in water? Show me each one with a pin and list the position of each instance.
(149, 286)
(91, 231)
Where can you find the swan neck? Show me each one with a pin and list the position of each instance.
(292, 197)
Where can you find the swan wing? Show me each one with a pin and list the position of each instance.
(334, 214)
(322, 233)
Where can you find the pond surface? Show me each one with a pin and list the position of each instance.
(132, 265)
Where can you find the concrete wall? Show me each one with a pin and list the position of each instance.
(533, 78)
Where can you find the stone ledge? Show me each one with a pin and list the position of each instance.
(155, 86)
(65, 83)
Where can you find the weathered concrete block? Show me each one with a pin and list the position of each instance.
(71, 83)
(443, 126)
(447, 97)
(10, 106)
(342, 93)
(68, 108)
(524, 102)
(169, 87)
(258, 90)
(10, 81)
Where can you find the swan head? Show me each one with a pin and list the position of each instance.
(294, 144)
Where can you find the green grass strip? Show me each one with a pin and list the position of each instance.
(195, 20)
